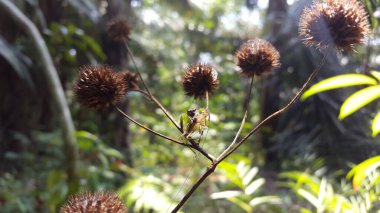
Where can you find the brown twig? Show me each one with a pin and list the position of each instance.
(283, 109)
(242, 121)
(209, 171)
(214, 164)
(166, 112)
(150, 130)
(130, 54)
(151, 97)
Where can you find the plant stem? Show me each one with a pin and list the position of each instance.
(150, 130)
(214, 164)
(209, 171)
(242, 121)
(282, 110)
(206, 100)
(130, 54)
(166, 112)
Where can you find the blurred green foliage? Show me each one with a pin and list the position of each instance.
(167, 37)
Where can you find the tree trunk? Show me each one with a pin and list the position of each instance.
(117, 56)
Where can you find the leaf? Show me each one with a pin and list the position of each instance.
(376, 74)
(309, 197)
(231, 173)
(264, 199)
(376, 125)
(254, 186)
(242, 204)
(360, 171)
(304, 210)
(358, 100)
(339, 81)
(225, 194)
(16, 60)
(250, 175)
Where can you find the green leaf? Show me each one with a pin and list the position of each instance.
(309, 197)
(112, 152)
(339, 81)
(264, 199)
(225, 194)
(231, 173)
(304, 210)
(250, 175)
(360, 172)
(254, 186)
(242, 204)
(358, 100)
(376, 74)
(376, 125)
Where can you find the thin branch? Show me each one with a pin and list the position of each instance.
(282, 110)
(146, 95)
(193, 145)
(196, 146)
(207, 100)
(166, 112)
(214, 164)
(208, 172)
(150, 130)
(242, 121)
(157, 102)
(130, 54)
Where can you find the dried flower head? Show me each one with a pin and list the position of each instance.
(96, 202)
(338, 24)
(118, 29)
(199, 79)
(131, 79)
(256, 57)
(99, 87)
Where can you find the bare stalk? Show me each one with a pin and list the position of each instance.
(242, 121)
(214, 164)
(166, 112)
(148, 93)
(282, 110)
(150, 130)
(196, 146)
(130, 54)
(207, 100)
(209, 171)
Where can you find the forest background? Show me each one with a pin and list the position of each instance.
(298, 162)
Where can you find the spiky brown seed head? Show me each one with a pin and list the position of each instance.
(96, 202)
(99, 87)
(256, 57)
(119, 29)
(338, 24)
(199, 79)
(131, 79)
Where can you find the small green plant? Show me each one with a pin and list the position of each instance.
(249, 196)
(357, 100)
(325, 195)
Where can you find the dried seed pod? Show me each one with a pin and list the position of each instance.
(99, 86)
(94, 203)
(256, 57)
(118, 29)
(199, 79)
(131, 79)
(338, 24)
